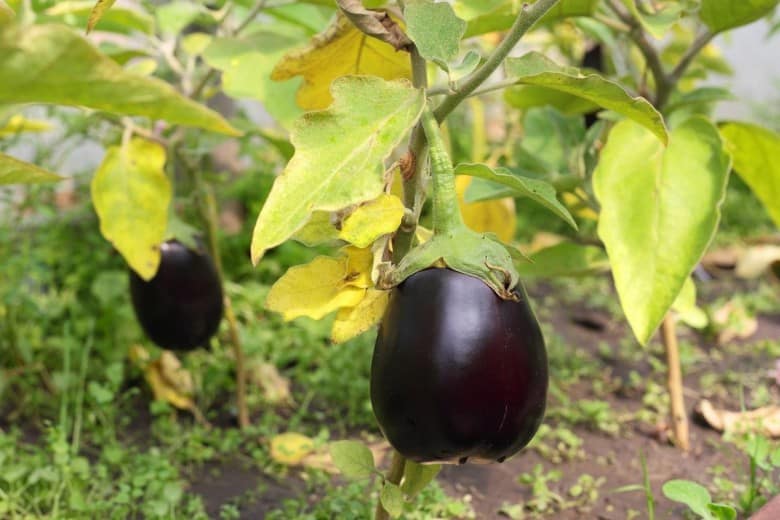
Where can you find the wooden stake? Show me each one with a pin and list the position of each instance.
(675, 383)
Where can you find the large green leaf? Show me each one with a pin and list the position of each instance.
(14, 171)
(536, 190)
(53, 64)
(435, 30)
(339, 155)
(246, 65)
(756, 154)
(721, 15)
(659, 210)
(535, 69)
(660, 21)
(500, 15)
(131, 195)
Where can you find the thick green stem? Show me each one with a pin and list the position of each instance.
(446, 213)
(524, 21)
(394, 476)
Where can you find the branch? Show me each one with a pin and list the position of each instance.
(527, 17)
(696, 47)
(377, 24)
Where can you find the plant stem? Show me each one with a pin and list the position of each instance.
(696, 47)
(675, 383)
(446, 212)
(394, 476)
(527, 17)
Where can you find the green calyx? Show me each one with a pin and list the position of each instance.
(454, 245)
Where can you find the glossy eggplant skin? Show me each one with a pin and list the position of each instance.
(181, 307)
(457, 373)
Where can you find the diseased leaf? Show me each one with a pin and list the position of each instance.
(14, 171)
(339, 155)
(435, 30)
(536, 190)
(756, 154)
(101, 6)
(131, 195)
(290, 448)
(353, 459)
(493, 216)
(534, 68)
(339, 51)
(373, 219)
(722, 15)
(314, 289)
(352, 321)
(53, 64)
(660, 209)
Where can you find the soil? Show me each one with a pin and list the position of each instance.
(615, 458)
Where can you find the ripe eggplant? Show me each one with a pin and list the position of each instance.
(457, 373)
(181, 307)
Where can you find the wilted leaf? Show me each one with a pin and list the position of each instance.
(290, 448)
(660, 209)
(131, 195)
(353, 321)
(339, 51)
(14, 171)
(353, 459)
(764, 420)
(97, 12)
(535, 69)
(52, 64)
(435, 29)
(339, 155)
(371, 220)
(314, 289)
(275, 387)
(756, 154)
(170, 382)
(493, 216)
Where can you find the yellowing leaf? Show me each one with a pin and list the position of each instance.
(290, 448)
(318, 230)
(170, 382)
(314, 289)
(373, 219)
(131, 195)
(14, 171)
(359, 262)
(338, 51)
(96, 14)
(493, 216)
(18, 124)
(339, 155)
(350, 322)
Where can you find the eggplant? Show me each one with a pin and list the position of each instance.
(181, 307)
(457, 373)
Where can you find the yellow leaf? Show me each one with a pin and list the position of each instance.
(18, 124)
(351, 322)
(359, 263)
(131, 194)
(373, 219)
(314, 289)
(290, 448)
(170, 382)
(492, 216)
(339, 51)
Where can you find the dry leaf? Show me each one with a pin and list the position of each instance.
(755, 260)
(764, 420)
(720, 259)
(733, 322)
(275, 387)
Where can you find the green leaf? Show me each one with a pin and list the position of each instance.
(53, 64)
(6, 13)
(14, 171)
(535, 69)
(392, 499)
(131, 195)
(536, 190)
(564, 259)
(81, 13)
(721, 15)
(551, 140)
(339, 155)
(174, 16)
(417, 476)
(756, 154)
(685, 306)
(318, 230)
(659, 210)
(353, 459)
(490, 16)
(246, 65)
(694, 495)
(698, 96)
(468, 65)
(722, 511)
(435, 30)
(659, 22)
(527, 96)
